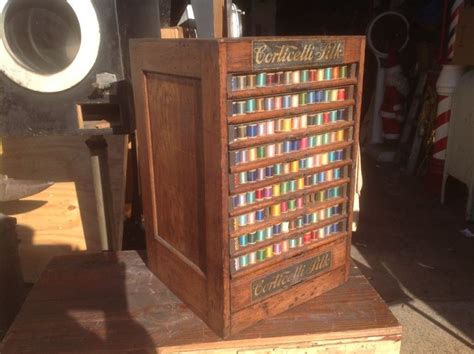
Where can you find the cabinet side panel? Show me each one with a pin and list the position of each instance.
(177, 160)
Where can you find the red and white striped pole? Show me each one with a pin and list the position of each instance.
(456, 9)
(447, 81)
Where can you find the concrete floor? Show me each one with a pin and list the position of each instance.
(411, 250)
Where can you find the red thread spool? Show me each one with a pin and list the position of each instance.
(259, 194)
(271, 79)
(341, 94)
(327, 116)
(307, 238)
(313, 75)
(284, 206)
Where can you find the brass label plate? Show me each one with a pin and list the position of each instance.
(290, 276)
(278, 54)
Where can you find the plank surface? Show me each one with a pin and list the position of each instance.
(111, 303)
(62, 218)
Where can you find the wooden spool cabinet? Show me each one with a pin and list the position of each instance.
(246, 159)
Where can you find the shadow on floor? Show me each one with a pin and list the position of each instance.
(411, 249)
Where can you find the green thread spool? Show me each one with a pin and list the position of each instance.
(304, 75)
(278, 168)
(343, 72)
(261, 79)
(244, 260)
(303, 98)
(319, 118)
(250, 197)
(260, 235)
(261, 152)
(328, 74)
(293, 243)
(287, 77)
(312, 141)
(252, 238)
(250, 105)
(284, 187)
(261, 253)
(299, 222)
(326, 138)
(242, 177)
(292, 205)
(292, 185)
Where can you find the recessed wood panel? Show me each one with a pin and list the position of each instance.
(177, 146)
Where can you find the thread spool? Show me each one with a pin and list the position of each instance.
(343, 72)
(270, 127)
(295, 78)
(313, 75)
(295, 99)
(279, 78)
(278, 102)
(261, 80)
(341, 94)
(320, 75)
(269, 103)
(251, 81)
(271, 79)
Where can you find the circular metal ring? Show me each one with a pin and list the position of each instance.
(71, 75)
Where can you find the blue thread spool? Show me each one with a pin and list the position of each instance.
(260, 215)
(306, 220)
(269, 103)
(235, 201)
(269, 171)
(286, 146)
(276, 229)
(340, 114)
(295, 145)
(237, 157)
(302, 164)
(234, 83)
(286, 101)
(340, 155)
(311, 97)
(252, 130)
(252, 175)
(336, 173)
(319, 96)
(332, 156)
(243, 240)
(322, 177)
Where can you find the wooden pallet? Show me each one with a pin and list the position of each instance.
(111, 303)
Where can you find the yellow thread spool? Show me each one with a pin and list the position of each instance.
(294, 166)
(301, 183)
(275, 210)
(340, 135)
(276, 190)
(252, 154)
(287, 125)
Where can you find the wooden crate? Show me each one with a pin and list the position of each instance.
(242, 225)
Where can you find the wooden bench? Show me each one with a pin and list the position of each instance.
(111, 303)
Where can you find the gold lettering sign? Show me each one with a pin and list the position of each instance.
(290, 276)
(277, 54)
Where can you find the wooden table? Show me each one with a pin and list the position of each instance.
(111, 303)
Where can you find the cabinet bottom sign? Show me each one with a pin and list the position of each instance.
(289, 276)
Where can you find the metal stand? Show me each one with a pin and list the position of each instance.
(102, 188)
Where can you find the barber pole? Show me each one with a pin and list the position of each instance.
(447, 81)
(454, 18)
